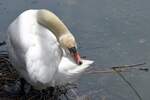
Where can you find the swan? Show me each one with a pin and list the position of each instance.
(43, 50)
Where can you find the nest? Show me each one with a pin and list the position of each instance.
(8, 74)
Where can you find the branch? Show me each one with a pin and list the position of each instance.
(120, 68)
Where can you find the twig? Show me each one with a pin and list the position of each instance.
(122, 68)
(129, 66)
(103, 71)
(129, 84)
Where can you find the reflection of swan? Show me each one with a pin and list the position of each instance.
(43, 50)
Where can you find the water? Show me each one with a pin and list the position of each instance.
(110, 32)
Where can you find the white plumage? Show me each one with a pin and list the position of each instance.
(37, 55)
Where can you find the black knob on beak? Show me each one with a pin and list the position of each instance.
(75, 55)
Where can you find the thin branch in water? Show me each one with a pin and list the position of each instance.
(129, 84)
(129, 66)
(121, 68)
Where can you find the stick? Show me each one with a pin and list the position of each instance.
(122, 68)
(129, 84)
(129, 66)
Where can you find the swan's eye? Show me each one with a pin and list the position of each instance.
(73, 50)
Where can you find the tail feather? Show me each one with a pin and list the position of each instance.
(69, 71)
(68, 67)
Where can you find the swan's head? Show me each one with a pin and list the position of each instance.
(68, 43)
(63, 35)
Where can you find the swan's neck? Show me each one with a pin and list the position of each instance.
(52, 22)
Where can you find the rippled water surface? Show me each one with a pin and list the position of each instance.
(110, 32)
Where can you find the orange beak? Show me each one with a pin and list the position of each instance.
(77, 58)
(74, 53)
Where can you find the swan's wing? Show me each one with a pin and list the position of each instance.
(70, 71)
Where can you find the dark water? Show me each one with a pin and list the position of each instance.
(110, 32)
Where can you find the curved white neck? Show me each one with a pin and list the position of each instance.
(52, 22)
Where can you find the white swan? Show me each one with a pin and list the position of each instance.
(43, 50)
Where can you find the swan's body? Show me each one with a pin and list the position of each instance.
(36, 54)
